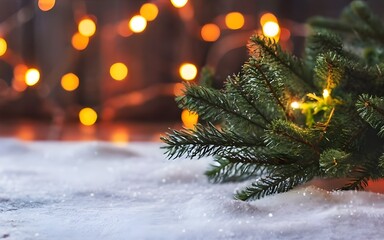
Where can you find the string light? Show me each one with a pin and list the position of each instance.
(267, 17)
(3, 46)
(179, 3)
(87, 27)
(79, 41)
(70, 82)
(137, 24)
(234, 20)
(87, 116)
(46, 5)
(189, 118)
(271, 29)
(118, 71)
(295, 105)
(188, 71)
(325, 93)
(210, 32)
(32, 76)
(149, 11)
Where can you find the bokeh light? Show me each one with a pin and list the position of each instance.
(210, 32)
(69, 82)
(267, 17)
(18, 81)
(32, 76)
(46, 5)
(118, 71)
(87, 27)
(149, 11)
(295, 105)
(87, 116)
(188, 71)
(137, 24)
(234, 20)
(3, 46)
(179, 3)
(189, 118)
(271, 29)
(79, 41)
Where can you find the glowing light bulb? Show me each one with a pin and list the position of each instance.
(271, 29)
(234, 20)
(325, 93)
(295, 105)
(46, 5)
(137, 24)
(79, 41)
(3, 46)
(149, 11)
(188, 71)
(179, 3)
(210, 32)
(69, 82)
(87, 116)
(87, 27)
(189, 118)
(118, 71)
(32, 76)
(267, 17)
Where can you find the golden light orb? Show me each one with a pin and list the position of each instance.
(118, 71)
(271, 29)
(188, 71)
(149, 11)
(326, 93)
(295, 105)
(87, 116)
(46, 5)
(267, 17)
(137, 24)
(32, 76)
(179, 3)
(234, 20)
(189, 118)
(87, 27)
(3, 46)
(79, 41)
(70, 82)
(210, 32)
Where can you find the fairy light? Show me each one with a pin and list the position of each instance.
(118, 71)
(87, 116)
(210, 32)
(267, 17)
(189, 118)
(234, 20)
(271, 29)
(32, 76)
(188, 71)
(79, 41)
(70, 82)
(3, 46)
(137, 24)
(179, 3)
(325, 93)
(149, 11)
(295, 105)
(46, 5)
(87, 27)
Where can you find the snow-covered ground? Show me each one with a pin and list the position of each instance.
(97, 190)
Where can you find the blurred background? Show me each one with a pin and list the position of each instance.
(110, 69)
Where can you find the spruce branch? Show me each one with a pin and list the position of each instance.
(371, 109)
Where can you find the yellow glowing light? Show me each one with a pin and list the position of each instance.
(210, 32)
(179, 3)
(32, 76)
(267, 17)
(188, 71)
(137, 24)
(234, 20)
(3, 46)
(46, 5)
(189, 118)
(118, 71)
(149, 11)
(295, 105)
(69, 82)
(271, 29)
(79, 42)
(325, 93)
(87, 27)
(87, 116)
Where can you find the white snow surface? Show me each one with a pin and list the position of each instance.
(97, 190)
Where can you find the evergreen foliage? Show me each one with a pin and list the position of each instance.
(336, 131)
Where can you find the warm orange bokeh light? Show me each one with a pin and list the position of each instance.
(149, 11)
(118, 71)
(120, 136)
(46, 5)
(271, 30)
(32, 76)
(87, 27)
(189, 118)
(69, 82)
(267, 17)
(18, 82)
(179, 3)
(188, 71)
(87, 116)
(79, 42)
(234, 20)
(210, 32)
(3, 46)
(137, 24)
